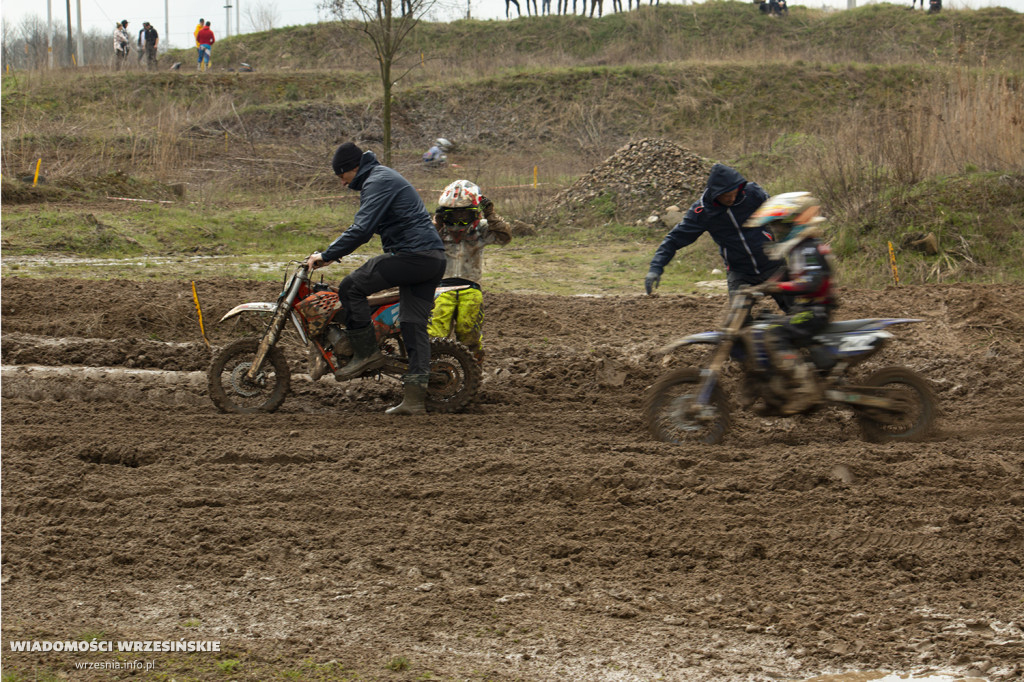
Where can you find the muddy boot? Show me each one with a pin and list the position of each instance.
(414, 399)
(366, 355)
(317, 364)
(804, 390)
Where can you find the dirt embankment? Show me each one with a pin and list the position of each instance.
(541, 536)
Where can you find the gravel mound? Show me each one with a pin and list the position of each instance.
(636, 181)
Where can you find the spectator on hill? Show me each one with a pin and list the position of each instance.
(149, 39)
(199, 50)
(934, 6)
(206, 41)
(122, 44)
(721, 211)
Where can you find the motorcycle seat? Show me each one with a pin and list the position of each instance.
(847, 326)
(383, 298)
(389, 296)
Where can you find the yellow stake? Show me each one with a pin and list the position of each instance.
(892, 264)
(36, 178)
(535, 177)
(225, 142)
(195, 297)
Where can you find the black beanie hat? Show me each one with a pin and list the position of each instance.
(346, 158)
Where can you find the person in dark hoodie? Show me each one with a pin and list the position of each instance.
(721, 211)
(413, 260)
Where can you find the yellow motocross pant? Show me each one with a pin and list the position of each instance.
(463, 310)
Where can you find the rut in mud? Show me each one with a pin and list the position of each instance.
(543, 535)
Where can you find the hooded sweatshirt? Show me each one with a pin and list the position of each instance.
(388, 206)
(741, 249)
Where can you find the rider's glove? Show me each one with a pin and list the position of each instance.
(651, 281)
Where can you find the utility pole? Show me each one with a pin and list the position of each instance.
(49, 34)
(238, 17)
(167, 27)
(80, 48)
(69, 34)
(227, 19)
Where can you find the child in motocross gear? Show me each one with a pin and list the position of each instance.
(794, 222)
(467, 222)
(721, 211)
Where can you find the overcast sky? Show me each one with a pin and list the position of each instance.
(183, 14)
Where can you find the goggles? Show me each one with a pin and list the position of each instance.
(460, 216)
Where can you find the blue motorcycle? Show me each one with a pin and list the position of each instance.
(691, 405)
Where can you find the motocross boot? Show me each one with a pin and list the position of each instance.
(366, 355)
(415, 395)
(804, 390)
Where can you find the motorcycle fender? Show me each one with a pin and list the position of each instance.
(712, 338)
(258, 307)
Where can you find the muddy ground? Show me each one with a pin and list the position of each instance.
(542, 536)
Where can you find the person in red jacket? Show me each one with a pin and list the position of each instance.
(206, 40)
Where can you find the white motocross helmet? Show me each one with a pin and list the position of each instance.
(459, 208)
(460, 194)
(444, 144)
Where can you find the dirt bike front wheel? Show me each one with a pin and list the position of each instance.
(673, 416)
(917, 407)
(455, 376)
(231, 389)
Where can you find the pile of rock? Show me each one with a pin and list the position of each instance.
(636, 182)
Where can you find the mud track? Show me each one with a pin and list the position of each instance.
(541, 536)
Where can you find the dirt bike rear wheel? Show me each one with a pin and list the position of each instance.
(231, 390)
(455, 376)
(919, 407)
(668, 410)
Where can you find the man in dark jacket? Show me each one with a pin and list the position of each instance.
(413, 260)
(149, 40)
(721, 211)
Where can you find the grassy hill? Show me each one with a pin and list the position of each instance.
(900, 120)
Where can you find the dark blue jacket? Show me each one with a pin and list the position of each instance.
(388, 206)
(742, 249)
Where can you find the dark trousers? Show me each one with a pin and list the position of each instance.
(735, 280)
(416, 275)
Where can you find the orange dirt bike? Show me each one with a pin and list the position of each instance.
(252, 375)
(690, 405)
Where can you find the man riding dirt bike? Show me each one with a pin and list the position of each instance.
(414, 261)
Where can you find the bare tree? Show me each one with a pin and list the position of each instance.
(385, 24)
(262, 16)
(24, 44)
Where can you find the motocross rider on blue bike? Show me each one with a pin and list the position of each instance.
(794, 221)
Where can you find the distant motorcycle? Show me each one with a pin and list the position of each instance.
(252, 375)
(690, 405)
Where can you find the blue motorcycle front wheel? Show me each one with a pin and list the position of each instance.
(673, 415)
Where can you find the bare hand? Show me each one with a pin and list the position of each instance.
(314, 261)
